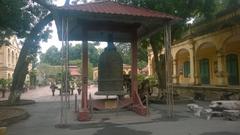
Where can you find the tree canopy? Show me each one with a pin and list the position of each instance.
(125, 51)
(186, 9)
(18, 17)
(39, 17)
(53, 55)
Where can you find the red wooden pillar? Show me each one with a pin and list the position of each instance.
(84, 112)
(138, 106)
(84, 74)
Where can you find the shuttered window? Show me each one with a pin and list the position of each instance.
(186, 69)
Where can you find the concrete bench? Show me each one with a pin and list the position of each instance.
(209, 113)
(232, 115)
(3, 131)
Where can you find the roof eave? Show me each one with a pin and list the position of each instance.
(156, 22)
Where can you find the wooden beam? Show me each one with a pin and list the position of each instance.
(109, 26)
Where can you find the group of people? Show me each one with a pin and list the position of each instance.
(143, 89)
(70, 90)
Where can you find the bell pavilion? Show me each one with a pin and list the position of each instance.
(111, 22)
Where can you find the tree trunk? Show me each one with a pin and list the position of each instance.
(33, 80)
(159, 67)
(21, 68)
(163, 75)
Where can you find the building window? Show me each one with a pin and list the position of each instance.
(9, 55)
(9, 76)
(186, 69)
(16, 58)
(12, 58)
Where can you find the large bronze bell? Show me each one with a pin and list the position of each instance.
(110, 71)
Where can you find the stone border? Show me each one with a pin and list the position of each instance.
(21, 103)
(176, 101)
(22, 116)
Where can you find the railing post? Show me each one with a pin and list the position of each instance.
(76, 103)
(147, 103)
(91, 104)
(117, 109)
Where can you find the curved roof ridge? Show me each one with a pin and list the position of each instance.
(112, 7)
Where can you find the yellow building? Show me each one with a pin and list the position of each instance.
(209, 54)
(8, 58)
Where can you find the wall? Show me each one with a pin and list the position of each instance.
(214, 46)
(8, 58)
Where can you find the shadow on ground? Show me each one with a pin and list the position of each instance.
(109, 125)
(109, 128)
(120, 131)
(220, 133)
(165, 118)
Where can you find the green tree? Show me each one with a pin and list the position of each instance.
(142, 56)
(40, 15)
(14, 19)
(75, 52)
(93, 53)
(48, 71)
(33, 78)
(4, 83)
(52, 56)
(36, 33)
(125, 51)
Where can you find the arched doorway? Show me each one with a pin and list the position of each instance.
(207, 61)
(231, 48)
(232, 69)
(9, 76)
(13, 58)
(9, 56)
(183, 66)
(204, 71)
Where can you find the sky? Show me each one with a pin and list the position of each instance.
(54, 37)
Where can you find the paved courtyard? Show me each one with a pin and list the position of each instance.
(45, 115)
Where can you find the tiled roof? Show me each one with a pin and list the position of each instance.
(114, 8)
(74, 71)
